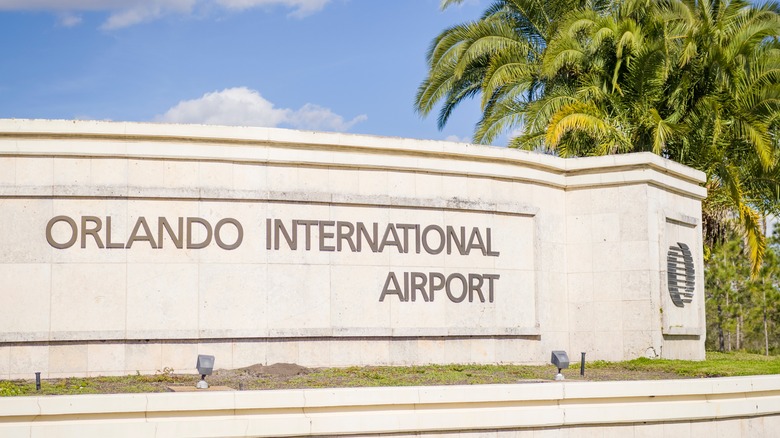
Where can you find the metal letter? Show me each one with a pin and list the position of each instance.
(91, 231)
(239, 238)
(74, 232)
(396, 290)
(147, 237)
(465, 288)
(206, 225)
(109, 243)
(163, 225)
(475, 287)
(425, 244)
(419, 280)
(324, 235)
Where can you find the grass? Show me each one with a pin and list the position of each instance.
(88, 385)
(417, 375)
(716, 365)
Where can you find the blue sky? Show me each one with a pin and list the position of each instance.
(332, 65)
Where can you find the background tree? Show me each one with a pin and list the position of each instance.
(742, 311)
(724, 277)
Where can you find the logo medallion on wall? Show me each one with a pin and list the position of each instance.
(680, 274)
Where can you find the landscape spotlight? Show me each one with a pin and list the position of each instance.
(205, 366)
(561, 360)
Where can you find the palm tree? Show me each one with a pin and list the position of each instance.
(498, 56)
(616, 65)
(696, 81)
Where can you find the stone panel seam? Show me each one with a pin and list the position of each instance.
(557, 168)
(451, 205)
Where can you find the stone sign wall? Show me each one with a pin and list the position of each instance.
(134, 247)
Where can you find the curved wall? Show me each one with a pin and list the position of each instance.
(133, 247)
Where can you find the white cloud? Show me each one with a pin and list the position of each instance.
(301, 8)
(242, 106)
(124, 13)
(317, 118)
(232, 106)
(457, 139)
(59, 5)
(67, 19)
(143, 11)
(129, 17)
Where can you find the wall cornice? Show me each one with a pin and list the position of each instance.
(98, 139)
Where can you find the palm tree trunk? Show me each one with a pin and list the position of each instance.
(739, 329)
(721, 340)
(763, 289)
(729, 332)
(766, 330)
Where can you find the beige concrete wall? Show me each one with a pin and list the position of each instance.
(746, 407)
(563, 254)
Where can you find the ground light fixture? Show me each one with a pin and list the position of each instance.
(205, 366)
(561, 360)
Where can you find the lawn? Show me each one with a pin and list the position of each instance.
(290, 376)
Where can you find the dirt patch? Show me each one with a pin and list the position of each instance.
(276, 370)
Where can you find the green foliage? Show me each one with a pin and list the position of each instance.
(48, 387)
(10, 388)
(716, 365)
(92, 385)
(694, 81)
(743, 311)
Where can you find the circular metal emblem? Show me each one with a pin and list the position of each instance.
(680, 274)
